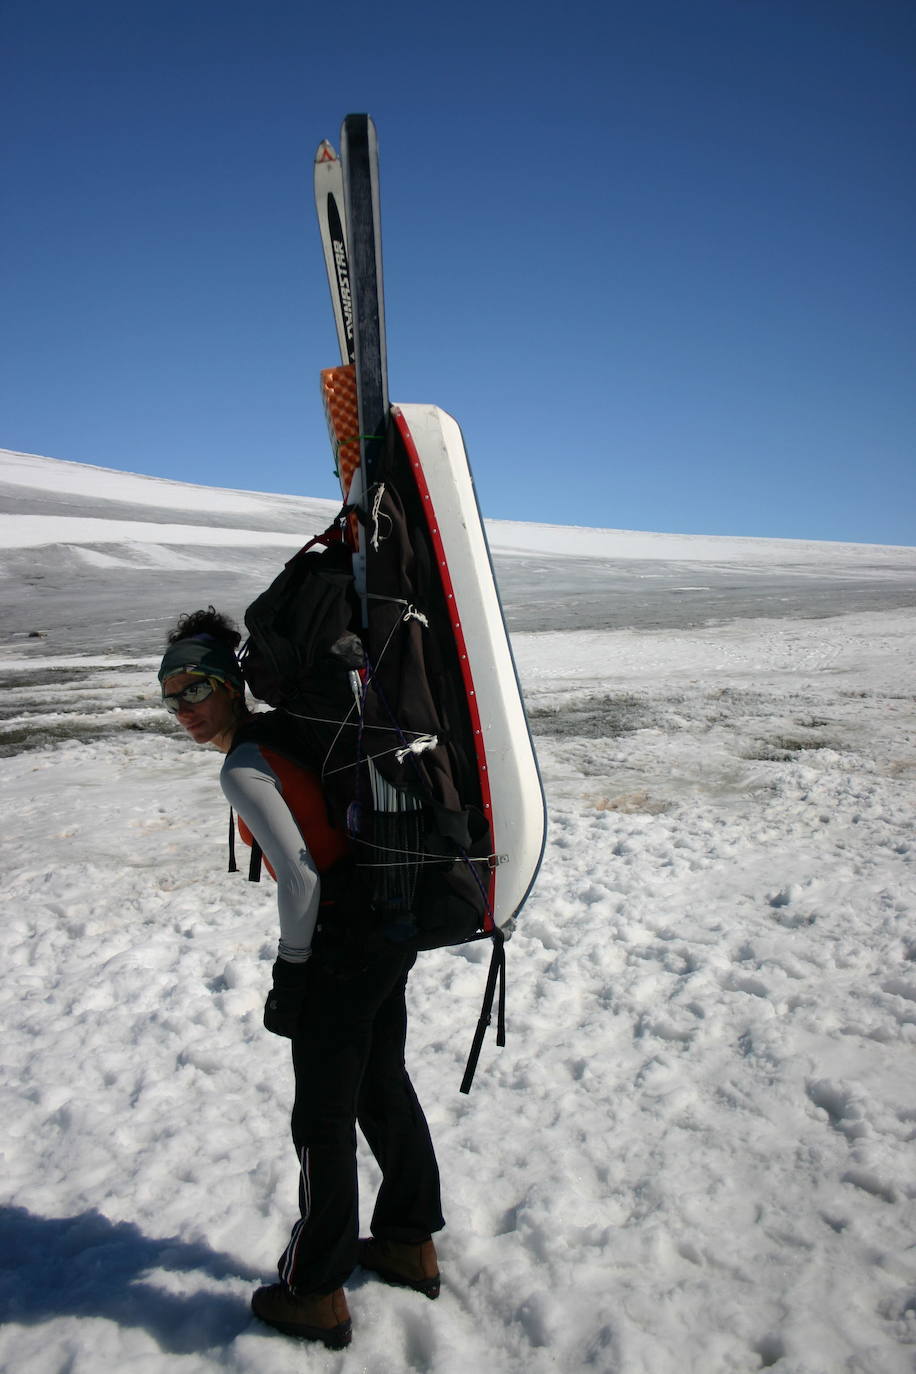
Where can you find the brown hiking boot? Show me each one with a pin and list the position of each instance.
(407, 1266)
(318, 1317)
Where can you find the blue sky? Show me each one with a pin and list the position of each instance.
(657, 258)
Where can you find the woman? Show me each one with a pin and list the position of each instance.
(347, 1024)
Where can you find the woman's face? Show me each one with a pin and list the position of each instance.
(203, 720)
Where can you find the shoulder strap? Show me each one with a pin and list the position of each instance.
(254, 865)
(233, 866)
(497, 971)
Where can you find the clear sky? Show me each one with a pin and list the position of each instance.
(657, 257)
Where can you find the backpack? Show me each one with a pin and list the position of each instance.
(379, 712)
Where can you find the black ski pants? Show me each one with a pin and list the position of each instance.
(348, 1058)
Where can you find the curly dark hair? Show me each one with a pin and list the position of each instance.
(209, 622)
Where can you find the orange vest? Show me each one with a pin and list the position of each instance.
(301, 790)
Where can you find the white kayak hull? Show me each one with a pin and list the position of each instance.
(511, 787)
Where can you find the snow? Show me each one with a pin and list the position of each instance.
(695, 1153)
(507, 536)
(32, 531)
(51, 475)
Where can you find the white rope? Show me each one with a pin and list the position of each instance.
(418, 746)
(355, 687)
(357, 763)
(422, 854)
(375, 515)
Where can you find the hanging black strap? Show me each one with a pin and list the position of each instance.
(254, 866)
(497, 971)
(233, 866)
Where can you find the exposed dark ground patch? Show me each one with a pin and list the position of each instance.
(593, 717)
(782, 748)
(55, 677)
(25, 739)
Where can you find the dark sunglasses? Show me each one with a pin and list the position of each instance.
(189, 696)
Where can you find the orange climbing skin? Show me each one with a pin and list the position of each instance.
(338, 391)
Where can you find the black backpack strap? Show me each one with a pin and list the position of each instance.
(254, 865)
(233, 866)
(497, 971)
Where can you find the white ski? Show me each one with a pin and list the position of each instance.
(329, 203)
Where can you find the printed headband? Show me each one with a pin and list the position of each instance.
(208, 655)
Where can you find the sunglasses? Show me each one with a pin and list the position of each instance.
(189, 696)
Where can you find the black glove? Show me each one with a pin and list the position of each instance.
(286, 998)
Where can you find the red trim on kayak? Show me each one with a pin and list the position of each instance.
(458, 635)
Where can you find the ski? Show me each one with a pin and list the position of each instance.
(359, 159)
(329, 203)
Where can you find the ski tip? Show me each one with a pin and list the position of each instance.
(355, 126)
(325, 152)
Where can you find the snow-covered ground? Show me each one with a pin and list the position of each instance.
(695, 1155)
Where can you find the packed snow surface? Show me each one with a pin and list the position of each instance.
(695, 1154)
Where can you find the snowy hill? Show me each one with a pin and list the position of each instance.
(102, 532)
(695, 1153)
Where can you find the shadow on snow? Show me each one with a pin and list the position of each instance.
(88, 1266)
